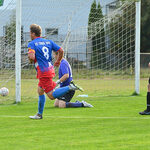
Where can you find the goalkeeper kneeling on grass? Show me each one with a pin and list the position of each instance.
(65, 79)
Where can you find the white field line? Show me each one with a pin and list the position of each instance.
(75, 117)
(116, 96)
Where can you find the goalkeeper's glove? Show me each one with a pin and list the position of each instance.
(58, 82)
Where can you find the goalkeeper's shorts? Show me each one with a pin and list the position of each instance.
(47, 84)
(67, 97)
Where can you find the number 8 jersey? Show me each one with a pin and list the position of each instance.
(43, 56)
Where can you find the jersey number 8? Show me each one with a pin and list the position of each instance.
(45, 51)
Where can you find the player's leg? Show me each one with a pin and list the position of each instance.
(68, 96)
(147, 111)
(62, 104)
(58, 92)
(64, 101)
(48, 85)
(41, 104)
(63, 90)
(56, 103)
(74, 105)
(69, 104)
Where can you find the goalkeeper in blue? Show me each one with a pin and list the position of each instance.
(40, 53)
(65, 79)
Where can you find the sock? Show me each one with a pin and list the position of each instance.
(148, 101)
(60, 91)
(41, 104)
(77, 104)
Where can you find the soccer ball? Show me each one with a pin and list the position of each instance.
(4, 91)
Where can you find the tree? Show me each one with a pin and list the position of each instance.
(122, 37)
(100, 38)
(99, 12)
(96, 34)
(10, 41)
(92, 19)
(10, 31)
(1, 2)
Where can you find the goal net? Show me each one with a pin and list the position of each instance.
(101, 49)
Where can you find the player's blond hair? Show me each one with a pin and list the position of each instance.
(34, 28)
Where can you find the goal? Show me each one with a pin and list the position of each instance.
(107, 48)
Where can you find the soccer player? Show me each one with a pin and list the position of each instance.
(147, 111)
(39, 52)
(65, 78)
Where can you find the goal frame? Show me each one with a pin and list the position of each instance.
(18, 48)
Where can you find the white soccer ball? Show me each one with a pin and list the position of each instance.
(4, 91)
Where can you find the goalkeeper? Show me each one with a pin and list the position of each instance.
(65, 79)
(147, 111)
(40, 52)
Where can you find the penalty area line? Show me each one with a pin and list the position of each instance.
(75, 117)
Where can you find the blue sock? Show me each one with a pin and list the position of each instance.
(41, 104)
(60, 91)
(77, 104)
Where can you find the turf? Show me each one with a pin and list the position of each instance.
(112, 124)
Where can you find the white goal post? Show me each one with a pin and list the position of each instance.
(18, 50)
(137, 46)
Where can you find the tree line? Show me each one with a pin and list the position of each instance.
(117, 36)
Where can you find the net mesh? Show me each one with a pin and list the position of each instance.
(107, 46)
(103, 48)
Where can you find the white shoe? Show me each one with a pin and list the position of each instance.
(75, 87)
(37, 116)
(86, 104)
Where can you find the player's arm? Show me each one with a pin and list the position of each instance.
(63, 78)
(60, 56)
(65, 73)
(31, 55)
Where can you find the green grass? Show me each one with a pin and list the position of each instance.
(112, 124)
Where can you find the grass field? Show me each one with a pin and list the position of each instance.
(113, 123)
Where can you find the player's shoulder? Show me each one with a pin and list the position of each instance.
(51, 41)
(64, 62)
(31, 43)
(35, 42)
(47, 41)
